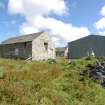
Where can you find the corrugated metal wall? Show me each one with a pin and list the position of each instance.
(81, 47)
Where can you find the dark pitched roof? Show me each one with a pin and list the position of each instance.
(92, 37)
(20, 39)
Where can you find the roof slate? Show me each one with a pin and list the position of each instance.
(24, 38)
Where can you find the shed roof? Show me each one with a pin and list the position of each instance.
(61, 48)
(90, 37)
(23, 38)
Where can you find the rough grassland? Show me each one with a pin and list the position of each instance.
(40, 83)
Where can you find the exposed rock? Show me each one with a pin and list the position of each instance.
(97, 71)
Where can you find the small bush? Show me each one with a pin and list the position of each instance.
(101, 58)
(51, 61)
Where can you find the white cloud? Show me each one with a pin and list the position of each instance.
(63, 30)
(100, 24)
(102, 32)
(36, 13)
(103, 11)
(27, 29)
(15, 6)
(56, 40)
(37, 7)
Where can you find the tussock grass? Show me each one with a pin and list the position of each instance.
(41, 83)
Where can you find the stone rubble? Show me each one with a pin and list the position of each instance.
(97, 72)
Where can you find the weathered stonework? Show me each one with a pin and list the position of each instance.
(39, 52)
(40, 48)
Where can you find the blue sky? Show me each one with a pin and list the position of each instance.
(68, 21)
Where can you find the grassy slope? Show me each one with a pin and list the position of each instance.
(40, 83)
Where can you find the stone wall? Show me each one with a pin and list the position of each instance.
(39, 50)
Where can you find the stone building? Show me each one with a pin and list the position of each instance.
(37, 46)
(61, 52)
(91, 45)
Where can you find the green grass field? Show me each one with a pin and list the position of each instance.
(41, 83)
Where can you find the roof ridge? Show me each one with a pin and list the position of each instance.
(25, 35)
(87, 36)
(22, 38)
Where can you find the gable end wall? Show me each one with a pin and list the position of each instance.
(38, 49)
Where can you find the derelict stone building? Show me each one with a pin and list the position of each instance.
(37, 46)
(61, 52)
